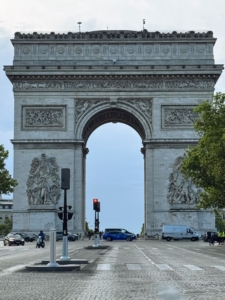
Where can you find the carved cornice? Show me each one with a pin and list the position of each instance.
(120, 82)
(113, 35)
(168, 144)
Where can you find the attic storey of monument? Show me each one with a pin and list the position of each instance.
(66, 85)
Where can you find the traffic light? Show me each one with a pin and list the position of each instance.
(65, 179)
(96, 225)
(95, 204)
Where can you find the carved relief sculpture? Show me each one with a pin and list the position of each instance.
(114, 84)
(181, 190)
(175, 116)
(82, 105)
(43, 183)
(43, 117)
(143, 105)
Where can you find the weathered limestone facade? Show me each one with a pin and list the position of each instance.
(66, 85)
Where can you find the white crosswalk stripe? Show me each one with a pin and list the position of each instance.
(193, 268)
(164, 267)
(103, 267)
(222, 268)
(134, 267)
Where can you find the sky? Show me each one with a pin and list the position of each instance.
(115, 166)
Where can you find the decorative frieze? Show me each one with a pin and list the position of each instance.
(42, 117)
(122, 83)
(181, 191)
(43, 183)
(81, 50)
(178, 116)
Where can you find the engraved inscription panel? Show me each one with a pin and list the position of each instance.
(43, 117)
(178, 116)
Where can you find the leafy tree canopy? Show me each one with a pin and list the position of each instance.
(7, 183)
(6, 227)
(205, 162)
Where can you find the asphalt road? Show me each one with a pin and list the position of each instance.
(142, 269)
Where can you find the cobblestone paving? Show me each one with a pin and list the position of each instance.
(127, 270)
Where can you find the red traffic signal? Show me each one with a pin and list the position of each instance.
(95, 204)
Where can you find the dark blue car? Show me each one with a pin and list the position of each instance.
(118, 235)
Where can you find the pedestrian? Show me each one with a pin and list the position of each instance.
(223, 237)
(89, 234)
(100, 235)
(220, 238)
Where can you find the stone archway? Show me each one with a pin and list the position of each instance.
(113, 115)
(66, 85)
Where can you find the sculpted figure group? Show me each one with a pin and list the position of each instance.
(180, 189)
(43, 183)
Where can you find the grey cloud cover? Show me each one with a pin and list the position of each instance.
(117, 157)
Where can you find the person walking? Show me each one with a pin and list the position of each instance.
(222, 238)
(89, 234)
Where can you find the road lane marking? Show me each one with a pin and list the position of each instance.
(144, 255)
(103, 267)
(134, 267)
(14, 268)
(164, 267)
(193, 268)
(220, 268)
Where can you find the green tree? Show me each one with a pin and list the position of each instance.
(205, 162)
(6, 227)
(142, 229)
(86, 227)
(7, 183)
(220, 225)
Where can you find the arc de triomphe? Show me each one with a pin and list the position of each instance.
(67, 85)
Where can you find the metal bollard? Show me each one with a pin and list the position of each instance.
(52, 262)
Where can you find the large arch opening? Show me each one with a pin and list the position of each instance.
(115, 175)
(112, 115)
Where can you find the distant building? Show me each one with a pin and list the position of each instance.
(6, 209)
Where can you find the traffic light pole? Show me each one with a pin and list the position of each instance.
(65, 238)
(96, 239)
(65, 185)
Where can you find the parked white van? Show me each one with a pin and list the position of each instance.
(178, 232)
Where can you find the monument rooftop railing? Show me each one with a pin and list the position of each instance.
(114, 35)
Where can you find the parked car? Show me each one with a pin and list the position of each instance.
(118, 235)
(14, 239)
(71, 236)
(27, 238)
(120, 230)
(178, 232)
